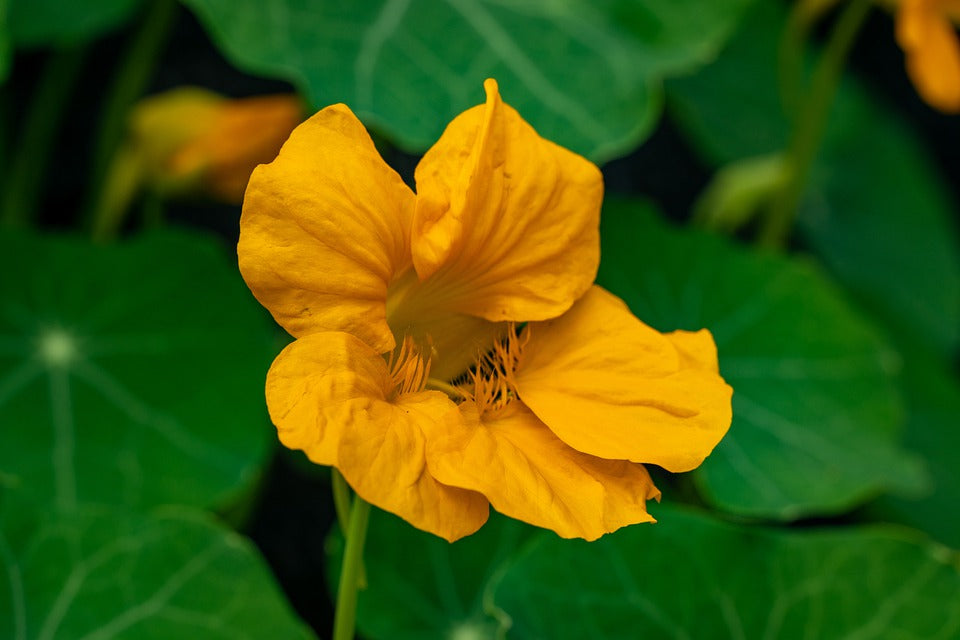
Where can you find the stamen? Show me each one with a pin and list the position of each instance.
(494, 385)
(408, 369)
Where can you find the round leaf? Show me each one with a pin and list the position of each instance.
(98, 574)
(816, 415)
(129, 374)
(689, 576)
(585, 77)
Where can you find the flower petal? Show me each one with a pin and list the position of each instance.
(313, 386)
(325, 229)
(330, 394)
(383, 457)
(529, 474)
(507, 223)
(610, 386)
(929, 40)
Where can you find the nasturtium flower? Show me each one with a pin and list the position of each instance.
(190, 140)
(926, 33)
(452, 351)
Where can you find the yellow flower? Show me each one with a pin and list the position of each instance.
(925, 32)
(413, 372)
(191, 140)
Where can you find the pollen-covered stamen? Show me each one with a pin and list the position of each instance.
(493, 381)
(408, 369)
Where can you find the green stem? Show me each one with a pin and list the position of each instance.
(346, 611)
(341, 503)
(21, 191)
(811, 122)
(341, 498)
(131, 80)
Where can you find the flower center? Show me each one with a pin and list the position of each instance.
(408, 369)
(493, 381)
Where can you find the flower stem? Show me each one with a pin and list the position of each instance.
(341, 498)
(346, 611)
(139, 61)
(811, 122)
(341, 503)
(44, 114)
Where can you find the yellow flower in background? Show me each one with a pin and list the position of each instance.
(413, 372)
(926, 33)
(191, 140)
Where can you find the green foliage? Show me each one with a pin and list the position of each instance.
(438, 591)
(56, 23)
(130, 374)
(687, 576)
(99, 573)
(692, 577)
(816, 413)
(586, 76)
(933, 399)
(875, 210)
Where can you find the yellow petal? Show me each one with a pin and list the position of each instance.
(529, 474)
(610, 386)
(506, 223)
(929, 41)
(331, 395)
(325, 229)
(247, 132)
(315, 383)
(696, 349)
(383, 457)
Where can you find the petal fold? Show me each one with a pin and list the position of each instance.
(330, 394)
(325, 230)
(529, 474)
(383, 457)
(506, 223)
(610, 386)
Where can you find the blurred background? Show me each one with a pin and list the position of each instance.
(772, 173)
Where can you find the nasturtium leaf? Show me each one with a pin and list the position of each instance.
(690, 576)
(586, 76)
(102, 573)
(421, 587)
(816, 414)
(54, 22)
(129, 374)
(932, 395)
(875, 209)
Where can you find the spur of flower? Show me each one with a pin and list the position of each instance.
(452, 351)
(926, 33)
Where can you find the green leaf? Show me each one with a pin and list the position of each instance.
(420, 586)
(875, 209)
(689, 576)
(100, 573)
(816, 414)
(129, 374)
(932, 394)
(53, 22)
(585, 77)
